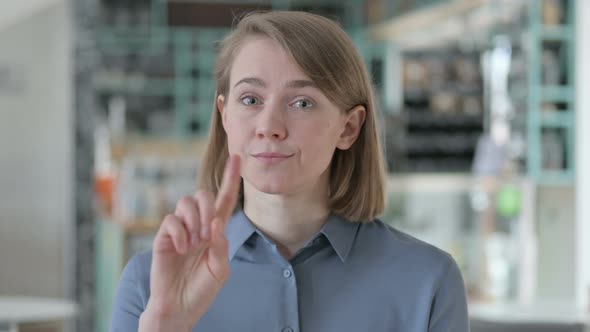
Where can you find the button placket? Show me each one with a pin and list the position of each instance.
(291, 312)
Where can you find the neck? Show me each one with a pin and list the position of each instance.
(289, 220)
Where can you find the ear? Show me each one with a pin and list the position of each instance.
(355, 119)
(220, 104)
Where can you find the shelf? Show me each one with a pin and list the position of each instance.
(557, 93)
(556, 178)
(556, 33)
(442, 165)
(141, 226)
(169, 147)
(442, 182)
(132, 40)
(441, 142)
(408, 23)
(558, 119)
(461, 89)
(130, 84)
(138, 226)
(428, 119)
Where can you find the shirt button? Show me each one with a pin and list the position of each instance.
(287, 274)
(317, 241)
(287, 329)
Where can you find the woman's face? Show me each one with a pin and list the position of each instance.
(282, 126)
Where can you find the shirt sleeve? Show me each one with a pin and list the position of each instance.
(449, 308)
(128, 304)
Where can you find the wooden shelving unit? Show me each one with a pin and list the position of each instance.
(551, 102)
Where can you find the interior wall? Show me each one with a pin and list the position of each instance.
(583, 152)
(36, 212)
(12, 11)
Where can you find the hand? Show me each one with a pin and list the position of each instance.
(190, 254)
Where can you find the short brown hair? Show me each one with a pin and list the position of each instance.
(327, 55)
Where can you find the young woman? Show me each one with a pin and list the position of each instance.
(283, 235)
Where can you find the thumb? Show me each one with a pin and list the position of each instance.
(218, 251)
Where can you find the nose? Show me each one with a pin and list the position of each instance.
(271, 123)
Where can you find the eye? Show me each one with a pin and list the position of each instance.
(249, 100)
(303, 103)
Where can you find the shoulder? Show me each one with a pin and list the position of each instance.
(418, 274)
(132, 292)
(413, 268)
(395, 249)
(142, 259)
(138, 267)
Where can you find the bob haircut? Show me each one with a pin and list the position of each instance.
(329, 58)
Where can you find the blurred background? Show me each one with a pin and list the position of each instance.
(484, 108)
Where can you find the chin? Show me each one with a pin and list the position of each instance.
(271, 185)
(271, 188)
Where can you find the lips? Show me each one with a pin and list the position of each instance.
(271, 157)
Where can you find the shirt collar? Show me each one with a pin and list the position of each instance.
(238, 230)
(338, 230)
(341, 233)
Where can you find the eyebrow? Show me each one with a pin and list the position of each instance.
(295, 84)
(251, 80)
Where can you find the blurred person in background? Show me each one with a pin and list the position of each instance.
(292, 183)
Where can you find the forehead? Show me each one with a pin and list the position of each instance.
(263, 58)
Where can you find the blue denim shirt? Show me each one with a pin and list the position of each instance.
(351, 276)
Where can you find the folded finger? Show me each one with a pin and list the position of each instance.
(206, 203)
(187, 210)
(173, 228)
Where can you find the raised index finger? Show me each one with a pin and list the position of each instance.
(227, 196)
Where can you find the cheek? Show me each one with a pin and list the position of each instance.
(236, 132)
(326, 132)
(320, 140)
